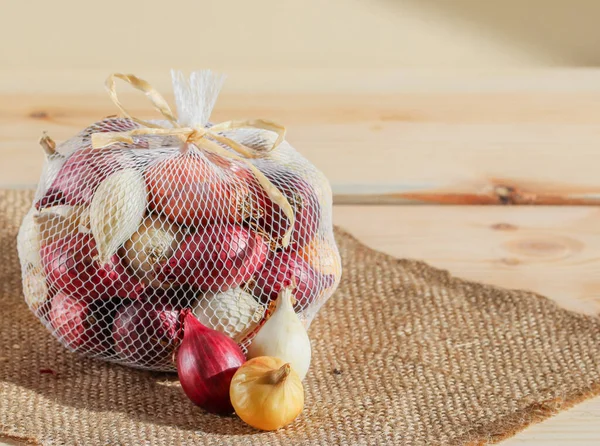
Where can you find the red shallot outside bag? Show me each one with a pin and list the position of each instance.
(134, 221)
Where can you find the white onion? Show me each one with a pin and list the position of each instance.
(28, 241)
(233, 312)
(116, 211)
(283, 336)
(35, 289)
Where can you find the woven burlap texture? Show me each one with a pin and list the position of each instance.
(403, 354)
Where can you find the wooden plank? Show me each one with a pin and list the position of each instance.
(505, 140)
(549, 250)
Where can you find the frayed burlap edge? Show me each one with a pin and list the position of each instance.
(536, 413)
(5, 435)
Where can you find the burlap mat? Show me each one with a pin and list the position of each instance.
(404, 354)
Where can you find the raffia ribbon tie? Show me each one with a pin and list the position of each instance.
(203, 138)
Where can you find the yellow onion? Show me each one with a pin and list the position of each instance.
(267, 393)
(152, 244)
(323, 256)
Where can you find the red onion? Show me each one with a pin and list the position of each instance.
(80, 176)
(192, 191)
(146, 333)
(216, 258)
(71, 267)
(303, 199)
(176, 296)
(206, 362)
(281, 270)
(81, 325)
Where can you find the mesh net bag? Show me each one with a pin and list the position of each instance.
(134, 222)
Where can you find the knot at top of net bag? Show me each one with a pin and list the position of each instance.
(195, 100)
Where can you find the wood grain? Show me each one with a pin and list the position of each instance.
(554, 251)
(502, 141)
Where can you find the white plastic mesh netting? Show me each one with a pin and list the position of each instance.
(120, 240)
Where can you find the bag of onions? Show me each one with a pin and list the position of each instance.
(138, 225)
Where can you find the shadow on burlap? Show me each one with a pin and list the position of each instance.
(403, 354)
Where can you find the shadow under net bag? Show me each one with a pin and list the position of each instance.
(136, 223)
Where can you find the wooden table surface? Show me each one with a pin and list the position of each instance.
(481, 144)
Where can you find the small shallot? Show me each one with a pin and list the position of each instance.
(145, 333)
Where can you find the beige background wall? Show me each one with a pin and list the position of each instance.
(413, 65)
(262, 39)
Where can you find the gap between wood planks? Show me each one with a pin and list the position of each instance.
(500, 194)
(497, 192)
